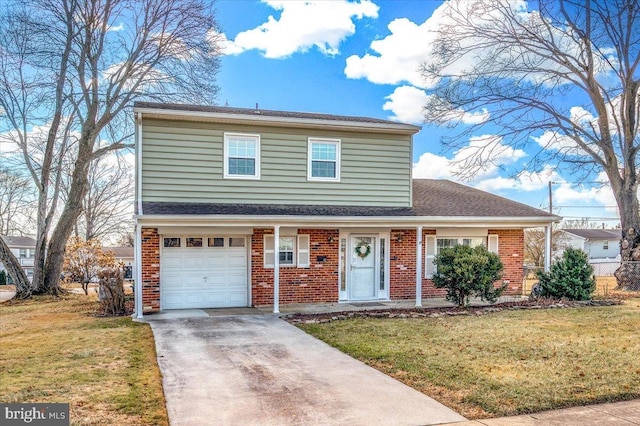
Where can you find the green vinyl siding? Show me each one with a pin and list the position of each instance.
(183, 162)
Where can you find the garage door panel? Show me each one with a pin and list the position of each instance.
(205, 277)
(237, 261)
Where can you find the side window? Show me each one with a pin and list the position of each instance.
(324, 160)
(294, 251)
(241, 156)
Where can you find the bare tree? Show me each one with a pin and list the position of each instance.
(564, 79)
(535, 241)
(69, 73)
(107, 207)
(16, 202)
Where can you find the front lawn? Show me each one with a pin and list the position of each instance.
(56, 350)
(505, 363)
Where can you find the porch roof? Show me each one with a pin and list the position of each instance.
(431, 198)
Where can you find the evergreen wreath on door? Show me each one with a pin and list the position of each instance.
(363, 249)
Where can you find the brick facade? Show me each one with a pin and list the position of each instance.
(318, 283)
(150, 270)
(511, 252)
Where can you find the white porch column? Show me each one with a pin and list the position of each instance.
(137, 265)
(419, 266)
(276, 269)
(547, 248)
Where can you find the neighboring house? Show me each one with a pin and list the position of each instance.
(124, 257)
(599, 244)
(242, 207)
(24, 249)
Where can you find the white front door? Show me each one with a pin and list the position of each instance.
(363, 268)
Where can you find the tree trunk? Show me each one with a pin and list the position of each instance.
(69, 216)
(17, 274)
(628, 274)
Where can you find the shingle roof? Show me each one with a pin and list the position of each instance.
(18, 241)
(269, 113)
(430, 198)
(596, 234)
(445, 198)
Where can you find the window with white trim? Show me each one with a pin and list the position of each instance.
(324, 159)
(294, 251)
(241, 156)
(435, 244)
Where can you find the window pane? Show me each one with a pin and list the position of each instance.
(286, 243)
(473, 242)
(382, 255)
(242, 166)
(236, 242)
(216, 242)
(446, 243)
(172, 242)
(343, 264)
(324, 169)
(23, 252)
(194, 242)
(323, 151)
(286, 257)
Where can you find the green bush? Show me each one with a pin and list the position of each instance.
(466, 272)
(3, 277)
(571, 277)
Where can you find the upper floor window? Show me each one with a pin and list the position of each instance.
(241, 156)
(23, 253)
(605, 245)
(324, 159)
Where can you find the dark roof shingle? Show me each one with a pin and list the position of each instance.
(596, 234)
(266, 113)
(430, 198)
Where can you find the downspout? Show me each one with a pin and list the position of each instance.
(276, 269)
(138, 237)
(419, 267)
(139, 163)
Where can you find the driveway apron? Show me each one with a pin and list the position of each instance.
(261, 370)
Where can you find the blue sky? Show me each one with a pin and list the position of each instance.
(361, 58)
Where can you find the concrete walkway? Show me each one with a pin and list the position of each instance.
(260, 370)
(616, 414)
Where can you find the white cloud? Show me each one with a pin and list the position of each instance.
(303, 25)
(397, 57)
(407, 104)
(565, 193)
(116, 28)
(481, 159)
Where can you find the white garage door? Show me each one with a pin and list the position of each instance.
(203, 272)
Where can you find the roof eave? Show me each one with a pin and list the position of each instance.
(400, 128)
(326, 221)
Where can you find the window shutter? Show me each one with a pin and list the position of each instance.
(493, 244)
(269, 251)
(303, 251)
(430, 254)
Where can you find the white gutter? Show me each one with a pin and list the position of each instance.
(331, 221)
(139, 162)
(279, 120)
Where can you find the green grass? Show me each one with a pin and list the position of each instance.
(56, 350)
(506, 363)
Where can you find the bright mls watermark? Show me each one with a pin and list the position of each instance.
(41, 414)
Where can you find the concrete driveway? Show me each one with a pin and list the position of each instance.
(260, 370)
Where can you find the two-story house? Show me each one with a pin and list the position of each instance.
(23, 248)
(243, 207)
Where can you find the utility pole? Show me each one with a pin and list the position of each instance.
(550, 198)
